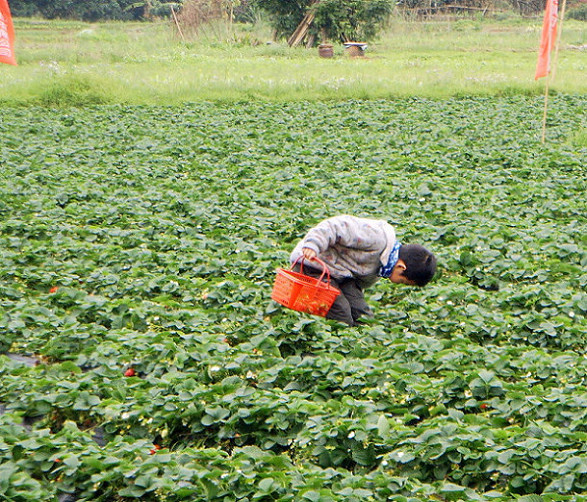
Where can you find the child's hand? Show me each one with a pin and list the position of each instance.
(309, 254)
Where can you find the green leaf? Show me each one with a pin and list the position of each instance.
(383, 426)
(312, 495)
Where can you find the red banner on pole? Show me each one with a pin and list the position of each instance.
(6, 35)
(547, 41)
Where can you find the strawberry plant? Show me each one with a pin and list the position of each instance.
(141, 355)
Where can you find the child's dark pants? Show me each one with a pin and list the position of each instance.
(350, 305)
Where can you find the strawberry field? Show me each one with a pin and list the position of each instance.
(141, 355)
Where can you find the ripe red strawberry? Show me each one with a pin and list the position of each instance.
(484, 406)
(129, 372)
(53, 289)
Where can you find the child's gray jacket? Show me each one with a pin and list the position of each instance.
(351, 247)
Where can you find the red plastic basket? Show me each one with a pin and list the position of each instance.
(303, 293)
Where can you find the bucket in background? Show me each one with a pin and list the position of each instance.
(326, 50)
(354, 51)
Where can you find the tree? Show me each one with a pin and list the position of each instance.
(334, 19)
(284, 15)
(351, 19)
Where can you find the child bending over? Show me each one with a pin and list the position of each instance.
(358, 252)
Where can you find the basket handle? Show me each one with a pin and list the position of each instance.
(325, 270)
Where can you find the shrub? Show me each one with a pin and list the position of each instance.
(579, 13)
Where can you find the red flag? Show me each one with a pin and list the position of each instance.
(6, 35)
(548, 39)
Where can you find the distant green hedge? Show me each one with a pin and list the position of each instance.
(579, 13)
(88, 10)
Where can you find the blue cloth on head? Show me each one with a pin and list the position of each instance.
(386, 270)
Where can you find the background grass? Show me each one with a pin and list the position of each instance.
(143, 63)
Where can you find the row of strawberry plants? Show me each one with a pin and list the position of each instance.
(266, 400)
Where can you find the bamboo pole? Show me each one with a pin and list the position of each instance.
(552, 74)
(543, 139)
(177, 23)
(301, 30)
(558, 38)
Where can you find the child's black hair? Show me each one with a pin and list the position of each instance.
(420, 263)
